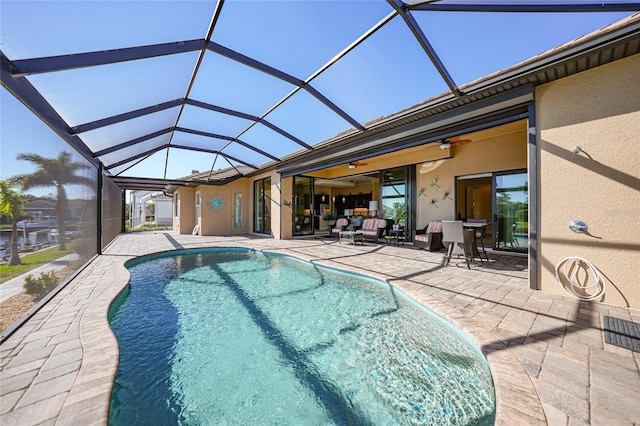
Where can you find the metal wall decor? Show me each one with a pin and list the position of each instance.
(216, 203)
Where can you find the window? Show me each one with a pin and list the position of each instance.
(237, 210)
(197, 198)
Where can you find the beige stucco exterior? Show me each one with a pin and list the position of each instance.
(490, 151)
(228, 203)
(185, 221)
(598, 110)
(216, 214)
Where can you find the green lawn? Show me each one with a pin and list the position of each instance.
(145, 228)
(33, 260)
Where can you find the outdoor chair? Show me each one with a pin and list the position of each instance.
(429, 237)
(340, 225)
(458, 241)
(306, 223)
(506, 232)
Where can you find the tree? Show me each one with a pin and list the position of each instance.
(12, 205)
(397, 212)
(56, 172)
(151, 209)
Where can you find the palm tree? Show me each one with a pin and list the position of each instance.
(56, 172)
(12, 205)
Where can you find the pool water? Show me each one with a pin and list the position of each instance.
(234, 336)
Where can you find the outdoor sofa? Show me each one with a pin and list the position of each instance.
(373, 229)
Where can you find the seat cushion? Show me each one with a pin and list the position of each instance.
(434, 226)
(341, 222)
(422, 237)
(373, 224)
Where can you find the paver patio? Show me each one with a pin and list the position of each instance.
(547, 353)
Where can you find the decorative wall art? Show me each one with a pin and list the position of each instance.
(216, 203)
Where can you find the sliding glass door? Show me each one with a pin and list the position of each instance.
(302, 205)
(395, 196)
(511, 207)
(262, 206)
(502, 199)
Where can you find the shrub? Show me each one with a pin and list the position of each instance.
(40, 286)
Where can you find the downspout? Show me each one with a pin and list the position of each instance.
(99, 209)
(533, 197)
(123, 212)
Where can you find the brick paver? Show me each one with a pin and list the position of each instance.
(546, 352)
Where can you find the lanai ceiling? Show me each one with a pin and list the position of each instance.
(155, 89)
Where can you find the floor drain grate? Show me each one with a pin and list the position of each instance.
(623, 333)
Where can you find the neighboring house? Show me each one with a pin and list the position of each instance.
(141, 208)
(39, 209)
(163, 209)
(76, 209)
(537, 146)
(138, 199)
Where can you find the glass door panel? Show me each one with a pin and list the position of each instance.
(237, 210)
(393, 195)
(511, 199)
(302, 205)
(258, 206)
(262, 206)
(266, 215)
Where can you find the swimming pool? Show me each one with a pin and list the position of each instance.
(235, 336)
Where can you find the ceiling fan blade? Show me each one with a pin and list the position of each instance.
(457, 141)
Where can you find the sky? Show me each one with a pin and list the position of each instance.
(386, 73)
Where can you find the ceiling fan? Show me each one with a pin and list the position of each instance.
(354, 164)
(448, 142)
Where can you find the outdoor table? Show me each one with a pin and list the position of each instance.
(352, 236)
(395, 236)
(475, 226)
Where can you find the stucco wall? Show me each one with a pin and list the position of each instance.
(186, 219)
(500, 152)
(598, 110)
(217, 211)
